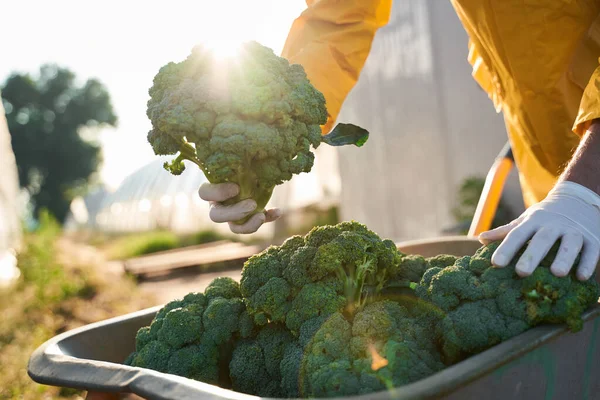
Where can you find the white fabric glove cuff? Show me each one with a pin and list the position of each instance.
(578, 191)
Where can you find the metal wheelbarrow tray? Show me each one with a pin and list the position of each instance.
(546, 362)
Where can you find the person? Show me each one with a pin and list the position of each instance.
(537, 61)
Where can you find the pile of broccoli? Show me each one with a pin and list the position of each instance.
(251, 120)
(342, 312)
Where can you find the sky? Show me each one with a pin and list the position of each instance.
(124, 43)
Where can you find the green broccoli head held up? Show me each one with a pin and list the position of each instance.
(251, 120)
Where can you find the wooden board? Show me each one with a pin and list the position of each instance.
(210, 253)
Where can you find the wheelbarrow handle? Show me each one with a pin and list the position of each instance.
(492, 191)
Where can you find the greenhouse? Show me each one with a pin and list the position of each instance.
(9, 209)
(153, 199)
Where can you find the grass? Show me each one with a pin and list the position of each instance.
(51, 297)
(134, 245)
(126, 246)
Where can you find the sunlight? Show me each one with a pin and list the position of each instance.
(224, 49)
(220, 25)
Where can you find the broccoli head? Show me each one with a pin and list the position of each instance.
(193, 336)
(481, 305)
(383, 345)
(251, 121)
(334, 268)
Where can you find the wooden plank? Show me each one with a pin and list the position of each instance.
(165, 261)
(182, 253)
(180, 249)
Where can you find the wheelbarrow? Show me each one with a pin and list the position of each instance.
(546, 362)
(492, 192)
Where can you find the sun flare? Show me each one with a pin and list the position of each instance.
(224, 49)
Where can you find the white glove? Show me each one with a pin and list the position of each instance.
(571, 213)
(216, 193)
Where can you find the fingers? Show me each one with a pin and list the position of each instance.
(536, 250)
(570, 246)
(498, 233)
(513, 242)
(589, 261)
(255, 221)
(272, 214)
(221, 213)
(249, 226)
(218, 192)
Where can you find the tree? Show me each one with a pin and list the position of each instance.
(46, 118)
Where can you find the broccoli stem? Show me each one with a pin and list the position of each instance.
(354, 277)
(250, 188)
(247, 180)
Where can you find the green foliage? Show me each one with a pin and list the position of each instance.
(251, 121)
(40, 272)
(53, 294)
(341, 312)
(207, 236)
(157, 244)
(139, 244)
(46, 115)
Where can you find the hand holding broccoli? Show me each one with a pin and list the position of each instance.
(250, 121)
(220, 192)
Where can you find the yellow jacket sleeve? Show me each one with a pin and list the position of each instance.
(589, 108)
(331, 40)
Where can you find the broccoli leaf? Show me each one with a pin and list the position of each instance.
(344, 134)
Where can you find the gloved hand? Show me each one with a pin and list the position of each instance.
(570, 212)
(217, 193)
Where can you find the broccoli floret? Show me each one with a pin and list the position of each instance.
(336, 379)
(198, 362)
(411, 268)
(248, 371)
(181, 326)
(255, 364)
(226, 288)
(222, 319)
(441, 261)
(154, 355)
(290, 367)
(313, 300)
(251, 122)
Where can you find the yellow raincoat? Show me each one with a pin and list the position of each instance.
(536, 59)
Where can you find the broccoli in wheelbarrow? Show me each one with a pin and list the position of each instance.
(342, 312)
